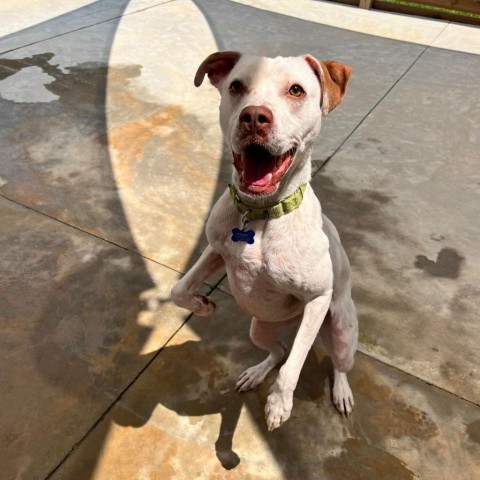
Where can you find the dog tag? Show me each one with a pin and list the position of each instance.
(243, 235)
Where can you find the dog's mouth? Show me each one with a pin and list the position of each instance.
(260, 171)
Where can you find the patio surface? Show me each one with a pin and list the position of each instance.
(111, 161)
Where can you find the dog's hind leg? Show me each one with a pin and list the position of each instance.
(339, 334)
(339, 331)
(264, 335)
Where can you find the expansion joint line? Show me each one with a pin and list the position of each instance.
(125, 390)
(115, 401)
(86, 232)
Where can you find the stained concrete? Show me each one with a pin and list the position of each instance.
(110, 125)
(80, 318)
(191, 423)
(111, 161)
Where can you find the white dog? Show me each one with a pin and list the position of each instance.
(283, 258)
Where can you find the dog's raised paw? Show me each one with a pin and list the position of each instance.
(203, 306)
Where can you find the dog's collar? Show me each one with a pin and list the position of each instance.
(281, 208)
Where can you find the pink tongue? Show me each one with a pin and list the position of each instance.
(258, 172)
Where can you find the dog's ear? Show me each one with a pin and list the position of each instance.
(333, 78)
(217, 66)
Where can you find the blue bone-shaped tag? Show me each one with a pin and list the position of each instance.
(243, 235)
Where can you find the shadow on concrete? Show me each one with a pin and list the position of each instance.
(77, 341)
(197, 378)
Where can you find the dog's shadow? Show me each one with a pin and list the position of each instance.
(197, 378)
(190, 379)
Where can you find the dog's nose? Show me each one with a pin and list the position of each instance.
(256, 119)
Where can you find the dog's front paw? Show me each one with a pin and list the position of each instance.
(203, 306)
(278, 407)
(198, 304)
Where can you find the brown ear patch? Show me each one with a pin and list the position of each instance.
(333, 78)
(217, 66)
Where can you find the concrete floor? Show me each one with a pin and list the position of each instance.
(111, 160)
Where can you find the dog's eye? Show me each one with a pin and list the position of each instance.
(296, 91)
(236, 87)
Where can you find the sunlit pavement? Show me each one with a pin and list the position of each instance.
(110, 163)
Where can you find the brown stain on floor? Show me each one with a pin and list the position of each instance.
(360, 461)
(60, 157)
(139, 122)
(381, 413)
(128, 141)
(473, 431)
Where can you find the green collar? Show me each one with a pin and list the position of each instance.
(283, 207)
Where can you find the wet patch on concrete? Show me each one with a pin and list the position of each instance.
(61, 155)
(12, 66)
(364, 209)
(359, 215)
(473, 431)
(381, 413)
(58, 156)
(396, 305)
(360, 461)
(447, 264)
(449, 370)
(363, 146)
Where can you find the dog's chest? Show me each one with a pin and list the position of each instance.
(247, 260)
(258, 277)
(284, 257)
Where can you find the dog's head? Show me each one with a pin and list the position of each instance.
(270, 113)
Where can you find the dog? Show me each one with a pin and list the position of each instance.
(284, 260)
